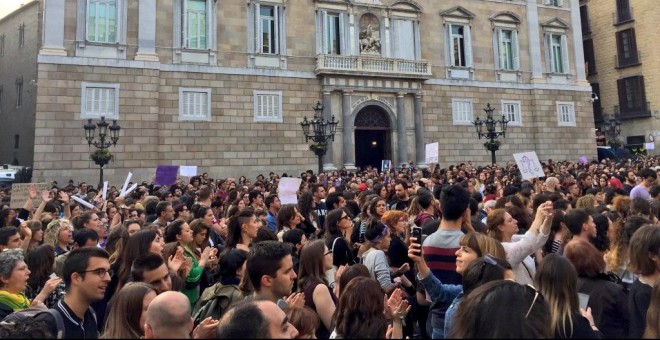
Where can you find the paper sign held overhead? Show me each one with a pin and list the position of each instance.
(188, 170)
(105, 190)
(385, 165)
(287, 188)
(649, 146)
(19, 194)
(529, 165)
(125, 186)
(166, 174)
(432, 152)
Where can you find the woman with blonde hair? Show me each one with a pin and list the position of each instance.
(59, 234)
(127, 315)
(586, 202)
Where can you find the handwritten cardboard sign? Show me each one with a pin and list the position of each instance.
(19, 194)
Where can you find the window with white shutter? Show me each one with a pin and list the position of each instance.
(194, 104)
(403, 39)
(267, 106)
(461, 110)
(511, 110)
(99, 100)
(565, 114)
(195, 24)
(557, 53)
(506, 49)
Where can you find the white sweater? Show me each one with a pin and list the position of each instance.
(518, 253)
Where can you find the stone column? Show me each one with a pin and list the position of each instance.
(420, 148)
(147, 31)
(402, 145)
(535, 55)
(328, 163)
(347, 124)
(581, 76)
(53, 43)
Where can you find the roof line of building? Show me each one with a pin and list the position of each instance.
(19, 10)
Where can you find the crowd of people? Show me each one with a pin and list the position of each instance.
(459, 252)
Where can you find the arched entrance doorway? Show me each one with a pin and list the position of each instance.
(372, 137)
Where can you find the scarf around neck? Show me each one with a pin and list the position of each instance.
(14, 301)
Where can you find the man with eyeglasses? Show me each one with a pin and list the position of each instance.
(86, 275)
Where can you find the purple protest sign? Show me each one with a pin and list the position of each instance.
(166, 174)
(583, 160)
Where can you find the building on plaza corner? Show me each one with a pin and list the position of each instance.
(225, 84)
(622, 67)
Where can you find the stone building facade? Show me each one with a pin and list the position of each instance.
(622, 66)
(225, 84)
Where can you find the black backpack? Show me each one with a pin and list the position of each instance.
(32, 312)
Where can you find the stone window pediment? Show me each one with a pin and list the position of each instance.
(556, 23)
(457, 12)
(405, 6)
(509, 18)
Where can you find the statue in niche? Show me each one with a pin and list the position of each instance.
(369, 34)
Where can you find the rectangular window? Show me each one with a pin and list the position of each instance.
(565, 114)
(507, 49)
(626, 48)
(16, 141)
(556, 3)
(19, 92)
(511, 110)
(598, 110)
(458, 45)
(403, 36)
(461, 110)
(21, 35)
(332, 34)
(194, 104)
(623, 12)
(589, 57)
(2, 45)
(267, 19)
(632, 97)
(99, 100)
(1, 93)
(267, 106)
(102, 21)
(584, 19)
(557, 53)
(195, 24)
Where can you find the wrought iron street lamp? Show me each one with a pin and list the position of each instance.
(491, 133)
(101, 156)
(612, 130)
(320, 131)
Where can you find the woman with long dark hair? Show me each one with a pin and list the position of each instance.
(310, 222)
(338, 230)
(556, 279)
(359, 313)
(242, 229)
(128, 311)
(41, 286)
(315, 260)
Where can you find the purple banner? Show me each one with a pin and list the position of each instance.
(166, 174)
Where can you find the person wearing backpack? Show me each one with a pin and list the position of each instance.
(217, 299)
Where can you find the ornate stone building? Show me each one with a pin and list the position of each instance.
(225, 84)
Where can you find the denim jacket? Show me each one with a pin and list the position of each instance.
(443, 293)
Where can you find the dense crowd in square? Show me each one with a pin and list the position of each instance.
(463, 251)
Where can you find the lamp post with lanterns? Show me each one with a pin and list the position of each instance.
(101, 156)
(320, 131)
(491, 125)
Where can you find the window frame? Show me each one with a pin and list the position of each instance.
(589, 56)
(84, 114)
(2, 90)
(563, 50)
(395, 38)
(19, 92)
(21, 35)
(623, 11)
(633, 59)
(517, 121)
(454, 108)
(466, 38)
(554, 3)
(183, 91)
(2, 45)
(257, 118)
(515, 48)
(572, 119)
(185, 21)
(634, 83)
(107, 21)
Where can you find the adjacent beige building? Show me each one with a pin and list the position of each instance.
(622, 65)
(225, 84)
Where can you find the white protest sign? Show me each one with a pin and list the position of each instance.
(188, 170)
(129, 190)
(125, 186)
(19, 194)
(105, 190)
(432, 153)
(287, 188)
(649, 146)
(82, 202)
(529, 165)
(385, 165)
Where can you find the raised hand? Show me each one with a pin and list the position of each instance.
(296, 300)
(64, 197)
(45, 195)
(415, 251)
(206, 329)
(32, 191)
(51, 285)
(175, 261)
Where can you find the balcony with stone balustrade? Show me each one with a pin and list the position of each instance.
(372, 66)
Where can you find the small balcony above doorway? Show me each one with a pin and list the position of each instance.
(372, 66)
